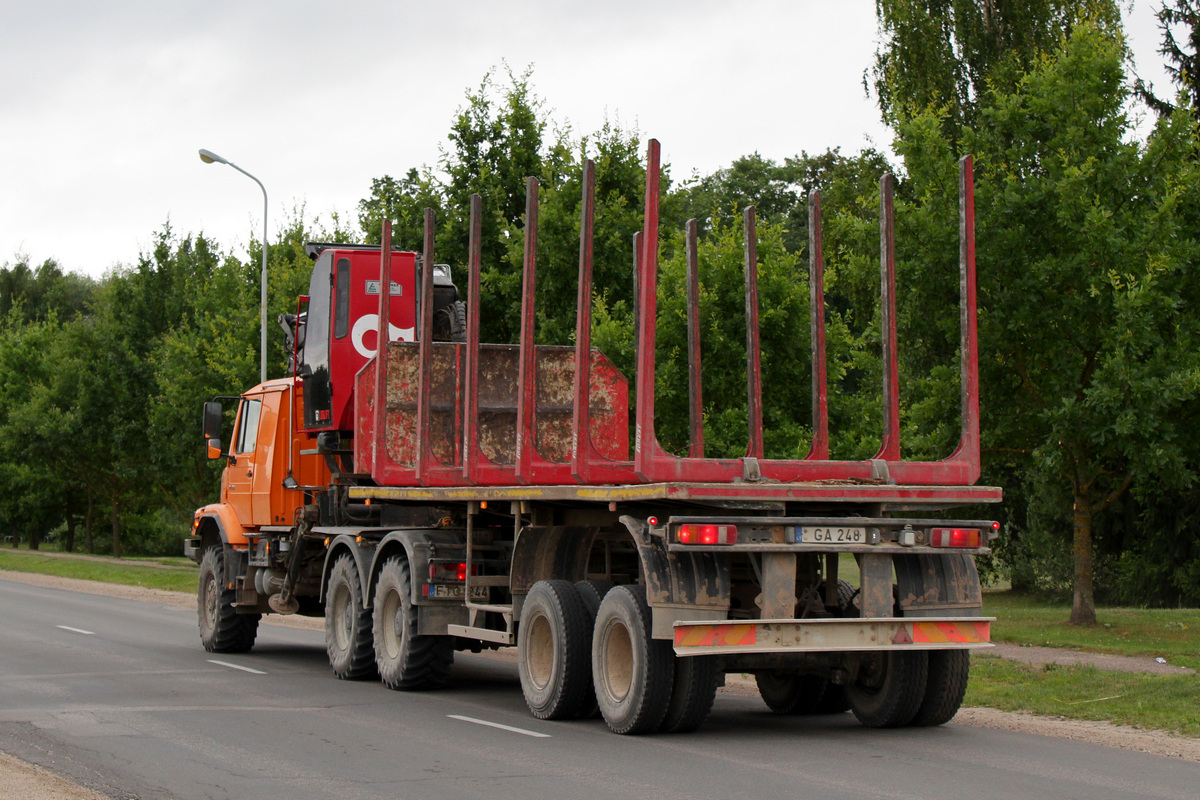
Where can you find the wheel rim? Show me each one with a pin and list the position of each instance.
(871, 675)
(393, 627)
(618, 661)
(342, 617)
(210, 602)
(539, 655)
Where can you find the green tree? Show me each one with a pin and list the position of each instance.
(1091, 368)
(949, 53)
(36, 293)
(1182, 58)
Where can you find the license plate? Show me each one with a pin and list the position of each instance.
(442, 590)
(834, 535)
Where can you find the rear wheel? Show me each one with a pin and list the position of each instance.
(222, 629)
(592, 591)
(945, 687)
(348, 623)
(405, 659)
(889, 687)
(633, 673)
(692, 693)
(554, 651)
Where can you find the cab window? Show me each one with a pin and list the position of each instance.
(248, 426)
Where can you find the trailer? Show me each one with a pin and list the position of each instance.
(428, 493)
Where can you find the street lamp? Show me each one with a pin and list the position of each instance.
(209, 157)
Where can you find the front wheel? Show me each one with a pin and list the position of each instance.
(889, 687)
(222, 629)
(348, 623)
(405, 659)
(633, 672)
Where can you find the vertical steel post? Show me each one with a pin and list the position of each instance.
(471, 367)
(644, 438)
(637, 299)
(378, 446)
(424, 457)
(968, 447)
(695, 388)
(527, 372)
(889, 449)
(816, 301)
(754, 411)
(581, 421)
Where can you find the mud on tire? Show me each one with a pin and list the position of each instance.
(633, 673)
(554, 651)
(405, 659)
(348, 623)
(889, 688)
(222, 629)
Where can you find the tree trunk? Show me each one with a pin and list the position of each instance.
(1083, 606)
(72, 522)
(88, 522)
(35, 538)
(116, 525)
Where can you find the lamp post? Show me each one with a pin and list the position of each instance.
(209, 157)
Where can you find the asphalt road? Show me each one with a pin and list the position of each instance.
(120, 696)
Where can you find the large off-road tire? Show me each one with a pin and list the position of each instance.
(692, 694)
(945, 687)
(348, 623)
(405, 659)
(592, 591)
(450, 323)
(633, 673)
(889, 688)
(554, 651)
(222, 629)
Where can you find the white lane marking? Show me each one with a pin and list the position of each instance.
(236, 666)
(501, 727)
(76, 630)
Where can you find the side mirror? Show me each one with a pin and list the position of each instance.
(212, 421)
(214, 449)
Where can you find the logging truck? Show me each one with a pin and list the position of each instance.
(427, 493)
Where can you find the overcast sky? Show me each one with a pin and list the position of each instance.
(103, 105)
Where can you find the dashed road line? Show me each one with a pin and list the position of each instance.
(236, 666)
(501, 727)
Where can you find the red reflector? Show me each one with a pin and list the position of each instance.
(446, 571)
(955, 537)
(707, 534)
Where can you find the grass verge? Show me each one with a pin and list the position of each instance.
(181, 578)
(1162, 702)
(1170, 633)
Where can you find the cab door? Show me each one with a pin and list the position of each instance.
(248, 475)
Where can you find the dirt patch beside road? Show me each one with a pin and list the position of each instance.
(27, 782)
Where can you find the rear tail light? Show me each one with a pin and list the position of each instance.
(692, 533)
(443, 571)
(955, 537)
